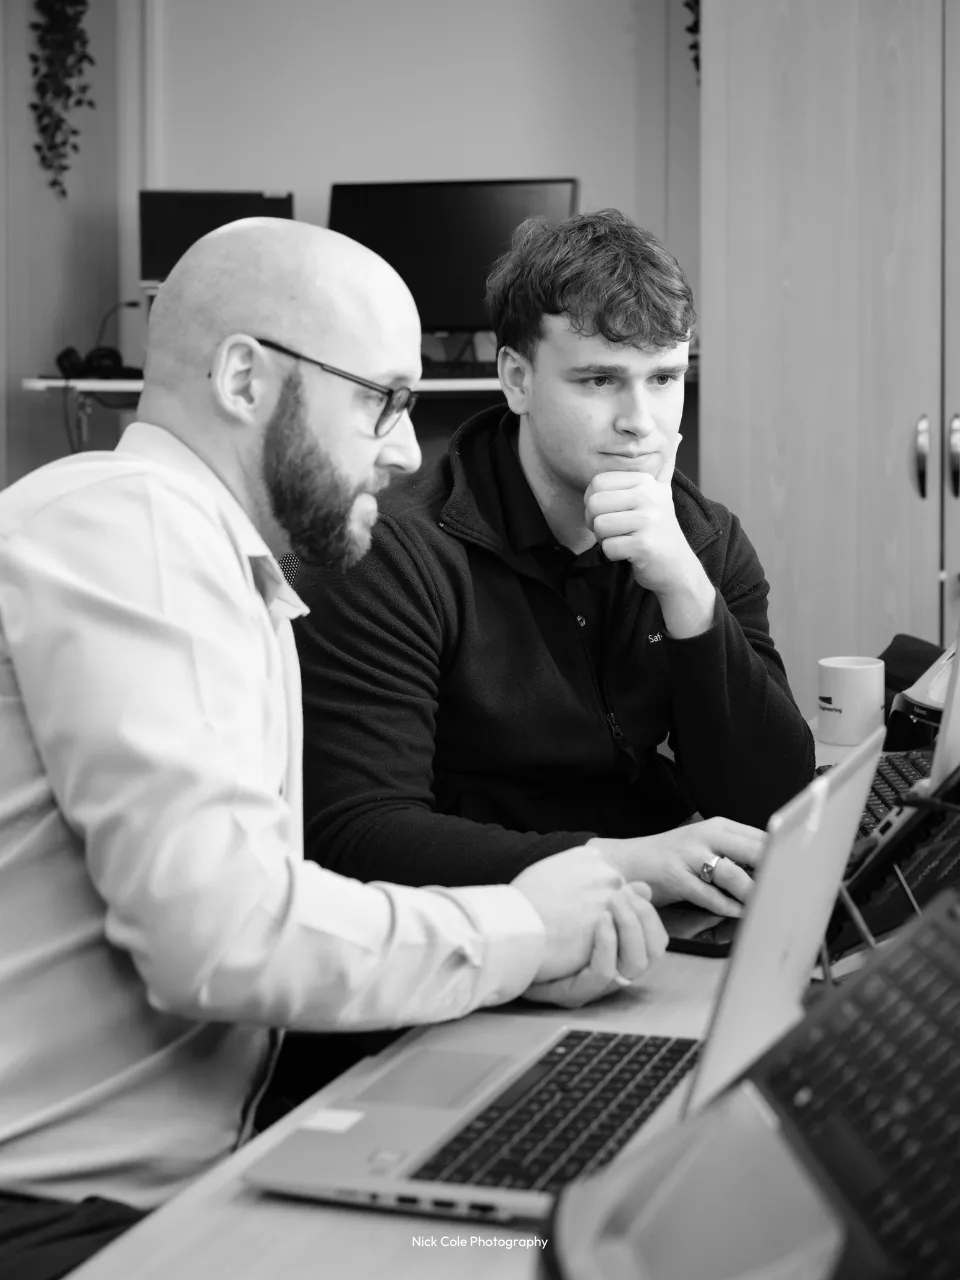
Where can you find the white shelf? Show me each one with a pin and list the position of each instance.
(92, 386)
(96, 386)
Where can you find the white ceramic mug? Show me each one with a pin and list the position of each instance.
(850, 699)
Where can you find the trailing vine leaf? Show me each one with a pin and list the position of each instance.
(693, 31)
(59, 83)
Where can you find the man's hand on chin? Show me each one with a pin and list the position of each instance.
(632, 517)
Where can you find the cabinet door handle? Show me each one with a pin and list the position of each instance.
(954, 450)
(922, 453)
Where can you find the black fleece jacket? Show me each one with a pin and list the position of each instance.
(456, 728)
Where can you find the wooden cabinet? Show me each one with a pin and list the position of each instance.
(830, 311)
(951, 315)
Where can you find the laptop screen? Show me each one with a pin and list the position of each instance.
(946, 753)
(804, 857)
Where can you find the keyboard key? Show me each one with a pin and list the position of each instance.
(569, 1111)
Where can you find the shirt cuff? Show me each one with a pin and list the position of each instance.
(513, 935)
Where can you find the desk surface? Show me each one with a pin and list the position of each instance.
(827, 752)
(220, 1230)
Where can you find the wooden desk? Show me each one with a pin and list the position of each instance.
(220, 1230)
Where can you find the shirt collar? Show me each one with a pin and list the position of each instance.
(161, 446)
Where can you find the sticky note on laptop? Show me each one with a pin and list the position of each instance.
(332, 1120)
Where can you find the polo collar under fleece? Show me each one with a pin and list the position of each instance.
(477, 507)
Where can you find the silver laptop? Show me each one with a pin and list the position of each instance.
(486, 1119)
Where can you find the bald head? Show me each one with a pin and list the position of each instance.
(304, 286)
(298, 446)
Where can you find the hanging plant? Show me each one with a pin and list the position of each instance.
(693, 31)
(59, 83)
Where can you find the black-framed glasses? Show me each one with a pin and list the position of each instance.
(397, 400)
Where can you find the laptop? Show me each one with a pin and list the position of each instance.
(885, 819)
(844, 1134)
(928, 693)
(926, 850)
(915, 853)
(869, 1087)
(487, 1119)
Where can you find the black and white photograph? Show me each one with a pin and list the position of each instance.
(479, 608)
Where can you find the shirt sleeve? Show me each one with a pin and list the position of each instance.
(742, 746)
(143, 654)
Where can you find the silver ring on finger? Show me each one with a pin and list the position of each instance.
(709, 868)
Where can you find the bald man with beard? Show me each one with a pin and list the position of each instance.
(158, 924)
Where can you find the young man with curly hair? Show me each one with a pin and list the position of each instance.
(546, 606)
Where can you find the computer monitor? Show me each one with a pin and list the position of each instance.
(443, 237)
(171, 221)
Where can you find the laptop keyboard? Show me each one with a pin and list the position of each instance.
(569, 1113)
(874, 1087)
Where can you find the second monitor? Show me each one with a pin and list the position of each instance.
(443, 237)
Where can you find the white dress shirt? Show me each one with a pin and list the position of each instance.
(157, 917)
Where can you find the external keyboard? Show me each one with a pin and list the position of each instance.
(874, 1088)
(896, 773)
(933, 865)
(569, 1113)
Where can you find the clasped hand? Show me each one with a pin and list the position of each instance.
(632, 517)
(601, 932)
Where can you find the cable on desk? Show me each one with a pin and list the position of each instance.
(72, 443)
(96, 397)
(910, 801)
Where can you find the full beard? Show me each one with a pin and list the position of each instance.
(309, 498)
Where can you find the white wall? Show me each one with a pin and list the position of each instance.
(298, 94)
(682, 159)
(60, 255)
